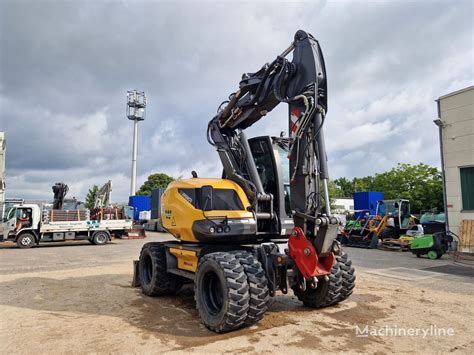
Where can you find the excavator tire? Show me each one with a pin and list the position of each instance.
(221, 292)
(347, 274)
(154, 279)
(258, 283)
(327, 293)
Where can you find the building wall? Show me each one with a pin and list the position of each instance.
(457, 113)
(342, 205)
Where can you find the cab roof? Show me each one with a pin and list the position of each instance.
(200, 182)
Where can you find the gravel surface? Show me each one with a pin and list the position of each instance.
(76, 297)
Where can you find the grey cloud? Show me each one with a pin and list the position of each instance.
(66, 66)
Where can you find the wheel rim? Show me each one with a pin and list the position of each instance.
(212, 293)
(432, 254)
(147, 268)
(101, 238)
(26, 240)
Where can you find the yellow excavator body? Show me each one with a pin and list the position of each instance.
(193, 214)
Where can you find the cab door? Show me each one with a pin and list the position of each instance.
(9, 222)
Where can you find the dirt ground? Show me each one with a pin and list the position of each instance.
(95, 309)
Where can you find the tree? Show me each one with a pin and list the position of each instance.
(91, 195)
(153, 182)
(363, 184)
(334, 192)
(345, 187)
(421, 184)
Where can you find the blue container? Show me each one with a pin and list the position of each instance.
(366, 201)
(139, 203)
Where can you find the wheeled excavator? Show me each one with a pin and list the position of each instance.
(263, 227)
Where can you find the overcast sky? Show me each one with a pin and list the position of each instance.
(66, 66)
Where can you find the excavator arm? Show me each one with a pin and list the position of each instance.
(60, 191)
(302, 84)
(102, 197)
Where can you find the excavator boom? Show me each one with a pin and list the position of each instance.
(302, 84)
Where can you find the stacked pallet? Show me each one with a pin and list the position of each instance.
(466, 236)
(396, 244)
(65, 215)
(107, 214)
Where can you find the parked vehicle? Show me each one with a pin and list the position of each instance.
(391, 220)
(433, 245)
(29, 224)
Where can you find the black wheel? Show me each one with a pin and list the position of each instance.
(25, 240)
(389, 233)
(327, 292)
(100, 237)
(348, 275)
(439, 255)
(221, 292)
(154, 279)
(258, 283)
(418, 255)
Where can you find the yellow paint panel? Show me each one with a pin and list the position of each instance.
(178, 215)
(187, 259)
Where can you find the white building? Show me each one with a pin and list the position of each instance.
(456, 125)
(343, 205)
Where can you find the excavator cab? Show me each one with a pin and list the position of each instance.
(271, 158)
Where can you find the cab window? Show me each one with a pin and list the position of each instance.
(222, 199)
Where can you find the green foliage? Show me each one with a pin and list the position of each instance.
(90, 198)
(421, 184)
(334, 192)
(153, 182)
(343, 187)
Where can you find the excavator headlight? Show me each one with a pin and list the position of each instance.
(219, 229)
(227, 229)
(212, 229)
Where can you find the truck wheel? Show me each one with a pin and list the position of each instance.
(100, 238)
(328, 291)
(25, 240)
(221, 292)
(154, 279)
(258, 283)
(348, 275)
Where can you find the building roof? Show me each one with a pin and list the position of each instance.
(457, 92)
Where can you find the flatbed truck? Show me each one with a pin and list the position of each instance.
(29, 224)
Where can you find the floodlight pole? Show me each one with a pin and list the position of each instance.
(136, 104)
(133, 184)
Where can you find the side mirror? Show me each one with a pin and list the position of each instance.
(207, 198)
